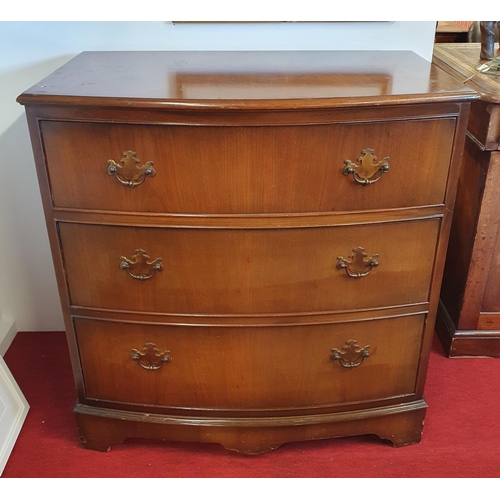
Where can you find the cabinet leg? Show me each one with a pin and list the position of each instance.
(410, 432)
(97, 433)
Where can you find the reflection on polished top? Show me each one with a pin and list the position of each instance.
(313, 79)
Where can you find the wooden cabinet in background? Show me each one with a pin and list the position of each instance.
(248, 246)
(451, 32)
(469, 315)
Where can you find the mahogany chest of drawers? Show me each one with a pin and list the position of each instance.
(469, 313)
(248, 246)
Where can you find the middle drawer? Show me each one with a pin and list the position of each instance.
(249, 271)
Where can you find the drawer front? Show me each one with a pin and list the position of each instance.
(247, 271)
(268, 169)
(249, 368)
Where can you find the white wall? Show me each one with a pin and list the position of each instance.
(31, 50)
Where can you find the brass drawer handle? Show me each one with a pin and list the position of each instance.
(151, 358)
(350, 355)
(369, 170)
(140, 267)
(129, 172)
(358, 264)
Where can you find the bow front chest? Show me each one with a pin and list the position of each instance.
(248, 246)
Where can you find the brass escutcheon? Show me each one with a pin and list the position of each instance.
(139, 266)
(350, 355)
(369, 169)
(128, 172)
(358, 264)
(150, 358)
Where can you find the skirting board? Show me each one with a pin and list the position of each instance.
(7, 333)
(13, 411)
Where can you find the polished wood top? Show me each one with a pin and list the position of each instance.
(461, 61)
(245, 80)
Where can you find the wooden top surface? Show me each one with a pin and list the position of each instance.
(255, 80)
(461, 60)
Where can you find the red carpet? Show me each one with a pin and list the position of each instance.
(461, 435)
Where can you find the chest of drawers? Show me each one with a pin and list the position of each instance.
(468, 322)
(248, 246)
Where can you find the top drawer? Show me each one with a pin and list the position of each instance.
(247, 169)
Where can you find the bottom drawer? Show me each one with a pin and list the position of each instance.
(272, 367)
